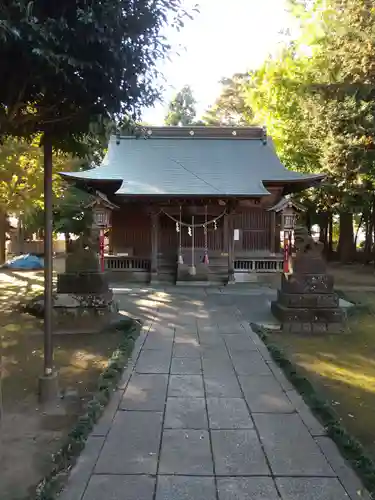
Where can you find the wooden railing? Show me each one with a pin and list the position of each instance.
(121, 263)
(258, 265)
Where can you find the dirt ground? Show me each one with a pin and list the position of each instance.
(342, 368)
(353, 275)
(29, 435)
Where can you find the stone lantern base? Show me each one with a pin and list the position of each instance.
(306, 301)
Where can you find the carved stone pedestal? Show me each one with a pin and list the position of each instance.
(306, 302)
(83, 302)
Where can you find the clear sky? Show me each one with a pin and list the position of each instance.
(225, 37)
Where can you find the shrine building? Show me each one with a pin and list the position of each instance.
(200, 204)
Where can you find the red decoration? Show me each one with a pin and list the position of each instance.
(205, 259)
(286, 254)
(101, 250)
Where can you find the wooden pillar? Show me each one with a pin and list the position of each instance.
(229, 244)
(273, 232)
(154, 243)
(110, 241)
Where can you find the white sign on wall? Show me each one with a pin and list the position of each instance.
(236, 235)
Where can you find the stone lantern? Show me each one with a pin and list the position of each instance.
(288, 210)
(101, 212)
(288, 217)
(84, 301)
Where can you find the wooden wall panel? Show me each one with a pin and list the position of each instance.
(131, 230)
(255, 229)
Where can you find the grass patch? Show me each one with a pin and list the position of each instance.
(65, 458)
(336, 377)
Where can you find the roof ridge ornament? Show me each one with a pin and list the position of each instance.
(264, 137)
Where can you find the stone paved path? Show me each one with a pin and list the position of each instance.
(202, 413)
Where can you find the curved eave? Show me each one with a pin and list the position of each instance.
(297, 185)
(106, 186)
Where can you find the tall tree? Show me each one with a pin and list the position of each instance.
(181, 109)
(21, 180)
(317, 99)
(231, 108)
(67, 68)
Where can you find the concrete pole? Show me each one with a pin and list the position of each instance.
(48, 384)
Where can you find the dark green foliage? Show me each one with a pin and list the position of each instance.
(351, 449)
(71, 68)
(72, 213)
(65, 458)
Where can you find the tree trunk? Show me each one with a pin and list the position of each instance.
(357, 232)
(3, 228)
(346, 238)
(21, 235)
(67, 243)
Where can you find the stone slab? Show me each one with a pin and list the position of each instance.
(249, 363)
(314, 426)
(81, 472)
(311, 488)
(153, 362)
(185, 337)
(186, 366)
(186, 351)
(217, 351)
(186, 452)
(132, 444)
(264, 395)
(104, 424)
(228, 413)
(247, 488)
(185, 488)
(280, 377)
(222, 385)
(186, 413)
(213, 367)
(240, 343)
(238, 453)
(125, 377)
(346, 474)
(158, 343)
(112, 487)
(233, 328)
(145, 392)
(290, 447)
(209, 339)
(186, 386)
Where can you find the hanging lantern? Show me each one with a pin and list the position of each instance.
(289, 218)
(189, 231)
(101, 216)
(177, 227)
(215, 225)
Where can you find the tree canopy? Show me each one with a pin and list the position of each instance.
(230, 108)
(316, 98)
(68, 67)
(181, 109)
